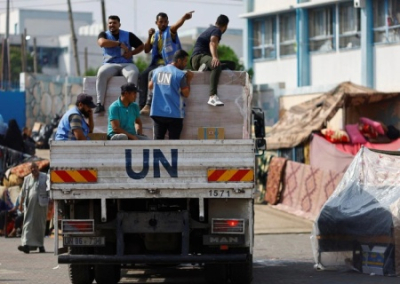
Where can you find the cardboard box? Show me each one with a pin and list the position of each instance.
(98, 136)
(211, 133)
(373, 259)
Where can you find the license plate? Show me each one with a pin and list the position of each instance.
(223, 240)
(85, 241)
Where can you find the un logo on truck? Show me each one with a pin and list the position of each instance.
(158, 157)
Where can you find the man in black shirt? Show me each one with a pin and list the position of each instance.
(117, 53)
(205, 56)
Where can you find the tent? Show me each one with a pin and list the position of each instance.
(301, 120)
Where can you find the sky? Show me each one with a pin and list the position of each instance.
(138, 16)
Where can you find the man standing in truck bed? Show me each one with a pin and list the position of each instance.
(170, 86)
(205, 56)
(117, 52)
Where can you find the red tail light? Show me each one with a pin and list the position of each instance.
(77, 226)
(227, 226)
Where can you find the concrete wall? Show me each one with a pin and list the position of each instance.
(46, 96)
(336, 67)
(274, 71)
(387, 71)
(271, 5)
(42, 22)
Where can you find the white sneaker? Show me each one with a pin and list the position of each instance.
(202, 67)
(214, 101)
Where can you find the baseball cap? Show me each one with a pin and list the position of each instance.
(86, 100)
(129, 87)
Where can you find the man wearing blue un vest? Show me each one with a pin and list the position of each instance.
(170, 86)
(119, 47)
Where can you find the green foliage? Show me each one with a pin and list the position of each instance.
(16, 63)
(91, 72)
(224, 53)
(227, 53)
(141, 63)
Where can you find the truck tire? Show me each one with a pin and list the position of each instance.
(241, 273)
(80, 273)
(216, 273)
(107, 274)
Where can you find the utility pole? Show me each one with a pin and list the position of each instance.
(5, 70)
(103, 13)
(34, 56)
(74, 40)
(86, 60)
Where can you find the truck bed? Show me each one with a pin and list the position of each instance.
(154, 168)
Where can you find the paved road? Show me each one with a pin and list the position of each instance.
(278, 259)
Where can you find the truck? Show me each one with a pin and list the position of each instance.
(120, 204)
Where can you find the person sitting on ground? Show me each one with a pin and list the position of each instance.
(73, 124)
(117, 52)
(5, 206)
(18, 218)
(162, 44)
(205, 56)
(124, 121)
(170, 85)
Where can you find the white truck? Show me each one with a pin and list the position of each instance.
(121, 203)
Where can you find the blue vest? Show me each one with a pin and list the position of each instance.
(168, 49)
(64, 131)
(113, 54)
(167, 98)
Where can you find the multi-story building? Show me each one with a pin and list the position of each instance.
(297, 46)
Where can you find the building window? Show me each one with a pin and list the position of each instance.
(264, 38)
(349, 26)
(321, 29)
(386, 20)
(287, 31)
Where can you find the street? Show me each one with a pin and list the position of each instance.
(278, 259)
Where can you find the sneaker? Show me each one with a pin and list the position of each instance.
(214, 101)
(145, 110)
(99, 108)
(203, 67)
(42, 250)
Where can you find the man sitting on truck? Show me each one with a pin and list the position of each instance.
(124, 121)
(170, 85)
(73, 125)
(117, 52)
(205, 56)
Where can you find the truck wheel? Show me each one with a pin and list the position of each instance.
(80, 274)
(107, 274)
(216, 273)
(241, 273)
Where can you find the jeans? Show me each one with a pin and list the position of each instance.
(144, 79)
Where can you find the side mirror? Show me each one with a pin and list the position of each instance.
(259, 128)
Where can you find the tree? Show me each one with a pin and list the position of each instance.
(141, 63)
(15, 63)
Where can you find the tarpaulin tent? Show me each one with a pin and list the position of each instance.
(301, 120)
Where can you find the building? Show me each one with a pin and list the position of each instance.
(298, 47)
(232, 38)
(52, 32)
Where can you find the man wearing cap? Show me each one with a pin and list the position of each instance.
(73, 124)
(123, 116)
